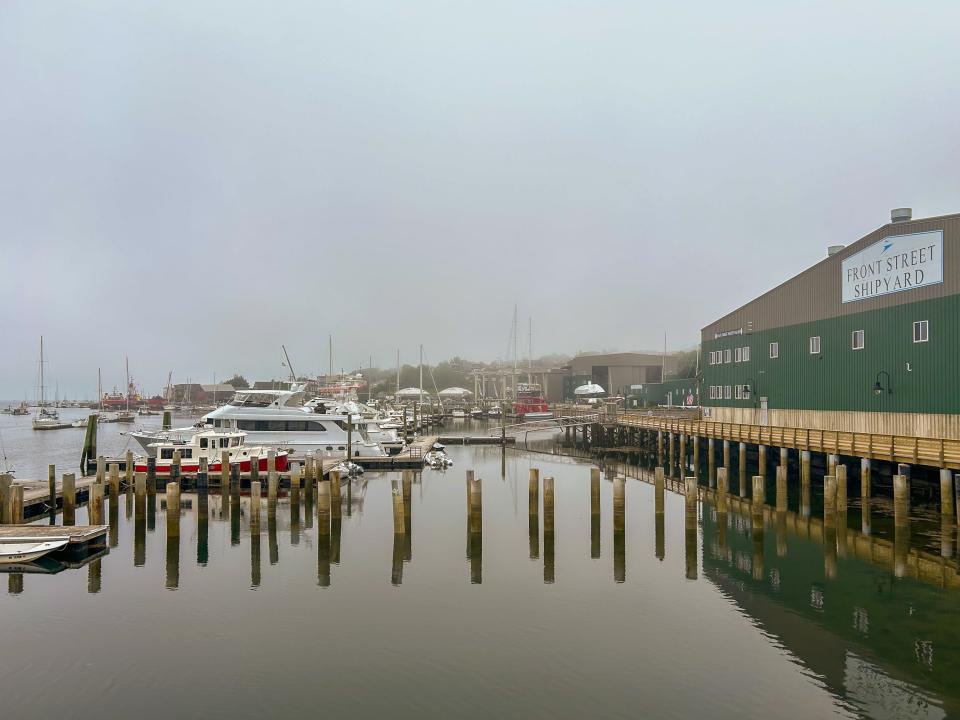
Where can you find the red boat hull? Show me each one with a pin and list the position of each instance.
(190, 467)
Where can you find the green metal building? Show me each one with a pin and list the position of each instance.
(867, 340)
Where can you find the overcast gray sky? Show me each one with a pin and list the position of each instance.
(195, 183)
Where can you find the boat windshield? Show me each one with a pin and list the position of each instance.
(242, 399)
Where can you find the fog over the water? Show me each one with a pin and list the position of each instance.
(194, 184)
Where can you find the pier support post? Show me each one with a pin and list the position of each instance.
(533, 512)
(682, 459)
(173, 509)
(673, 455)
(101, 469)
(831, 464)
(323, 507)
(865, 490)
(742, 467)
(723, 488)
(840, 472)
(203, 475)
(139, 497)
(805, 483)
(396, 491)
(695, 440)
(726, 455)
(829, 500)
(946, 492)
(165, 423)
(711, 463)
(901, 524)
(619, 530)
(256, 493)
(759, 493)
(660, 448)
(548, 528)
(254, 468)
(785, 457)
(781, 488)
(762, 461)
(114, 481)
(69, 491)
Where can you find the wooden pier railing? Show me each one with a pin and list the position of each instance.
(934, 452)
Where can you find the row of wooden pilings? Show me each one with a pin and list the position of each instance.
(677, 454)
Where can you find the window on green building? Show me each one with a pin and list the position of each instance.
(857, 339)
(774, 350)
(815, 345)
(921, 331)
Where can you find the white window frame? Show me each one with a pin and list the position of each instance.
(738, 355)
(746, 353)
(814, 344)
(746, 392)
(726, 355)
(854, 336)
(774, 350)
(924, 327)
(738, 392)
(727, 392)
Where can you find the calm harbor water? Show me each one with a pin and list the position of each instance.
(695, 614)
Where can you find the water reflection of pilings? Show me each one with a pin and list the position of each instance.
(173, 562)
(690, 526)
(619, 530)
(255, 554)
(901, 523)
(549, 570)
(533, 512)
(399, 530)
(15, 583)
(295, 513)
(475, 539)
(595, 513)
(407, 482)
(659, 492)
(203, 525)
(94, 577)
(323, 533)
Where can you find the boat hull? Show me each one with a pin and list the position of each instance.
(163, 468)
(27, 551)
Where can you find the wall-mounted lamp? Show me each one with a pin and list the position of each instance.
(879, 388)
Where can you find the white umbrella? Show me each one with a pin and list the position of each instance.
(589, 389)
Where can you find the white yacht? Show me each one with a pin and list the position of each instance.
(378, 428)
(278, 418)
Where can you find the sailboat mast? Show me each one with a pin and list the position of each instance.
(127, 360)
(421, 375)
(99, 391)
(530, 351)
(515, 331)
(397, 398)
(330, 350)
(42, 399)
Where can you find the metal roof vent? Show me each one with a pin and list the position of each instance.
(834, 249)
(901, 214)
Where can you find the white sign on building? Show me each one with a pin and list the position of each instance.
(893, 264)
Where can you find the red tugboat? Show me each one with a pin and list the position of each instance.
(529, 403)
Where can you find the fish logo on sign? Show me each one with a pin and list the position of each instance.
(886, 246)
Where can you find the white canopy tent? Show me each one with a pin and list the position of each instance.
(589, 390)
(412, 393)
(455, 393)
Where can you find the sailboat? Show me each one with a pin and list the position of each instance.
(125, 416)
(45, 419)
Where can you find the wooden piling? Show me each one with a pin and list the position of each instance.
(16, 504)
(660, 448)
(224, 470)
(101, 469)
(151, 477)
(295, 477)
(323, 506)
(829, 499)
(140, 496)
(619, 503)
(901, 524)
(594, 491)
(782, 488)
(95, 503)
(166, 423)
(711, 462)
(173, 509)
(742, 468)
(673, 456)
(946, 492)
(254, 468)
(256, 493)
(865, 490)
(762, 461)
(726, 455)
(533, 491)
(69, 492)
(52, 489)
(759, 492)
(840, 472)
(175, 468)
(128, 469)
(805, 483)
(336, 511)
(272, 492)
(476, 506)
(6, 482)
(114, 481)
(682, 459)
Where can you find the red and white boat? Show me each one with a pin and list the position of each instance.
(210, 444)
(529, 403)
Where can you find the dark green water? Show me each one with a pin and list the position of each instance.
(673, 619)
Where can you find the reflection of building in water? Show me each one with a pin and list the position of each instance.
(871, 637)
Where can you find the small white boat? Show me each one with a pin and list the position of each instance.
(458, 414)
(476, 413)
(348, 468)
(21, 550)
(494, 412)
(437, 460)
